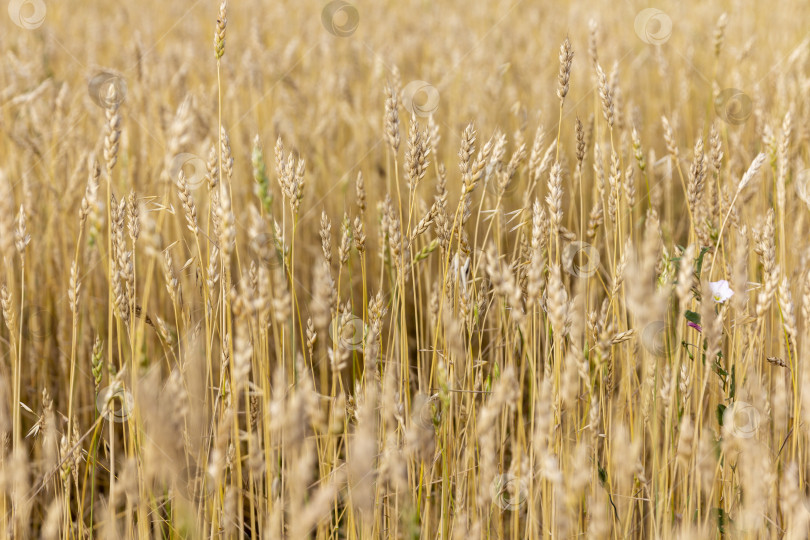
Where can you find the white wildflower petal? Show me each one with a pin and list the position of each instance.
(721, 291)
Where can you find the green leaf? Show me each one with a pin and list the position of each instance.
(722, 373)
(602, 474)
(703, 252)
(692, 316)
(686, 349)
(733, 386)
(722, 519)
(721, 410)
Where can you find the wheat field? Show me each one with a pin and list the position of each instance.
(353, 270)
